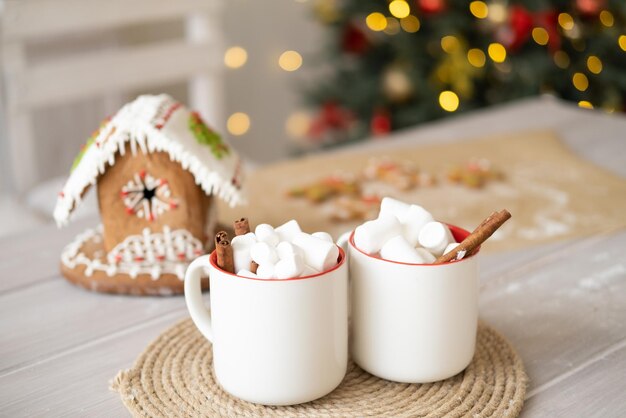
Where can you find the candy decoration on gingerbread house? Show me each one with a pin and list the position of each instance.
(157, 168)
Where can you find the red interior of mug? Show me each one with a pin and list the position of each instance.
(340, 260)
(458, 233)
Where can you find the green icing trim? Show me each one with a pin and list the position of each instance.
(206, 136)
(89, 143)
(80, 155)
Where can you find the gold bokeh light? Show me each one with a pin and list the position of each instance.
(297, 124)
(238, 123)
(561, 59)
(399, 8)
(449, 101)
(376, 21)
(393, 26)
(580, 81)
(594, 64)
(479, 9)
(450, 44)
(540, 35)
(496, 52)
(566, 21)
(235, 57)
(606, 18)
(498, 12)
(290, 60)
(410, 24)
(476, 57)
(621, 41)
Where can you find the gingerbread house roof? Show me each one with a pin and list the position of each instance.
(150, 124)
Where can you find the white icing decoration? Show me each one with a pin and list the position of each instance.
(133, 196)
(139, 124)
(154, 254)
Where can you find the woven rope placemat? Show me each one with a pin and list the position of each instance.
(174, 377)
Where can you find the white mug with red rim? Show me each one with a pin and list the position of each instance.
(275, 342)
(413, 323)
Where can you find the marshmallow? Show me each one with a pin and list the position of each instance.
(372, 235)
(289, 267)
(263, 253)
(265, 271)
(398, 249)
(288, 230)
(286, 249)
(319, 254)
(415, 219)
(323, 235)
(426, 255)
(246, 273)
(241, 250)
(450, 247)
(245, 240)
(308, 271)
(266, 233)
(435, 237)
(397, 208)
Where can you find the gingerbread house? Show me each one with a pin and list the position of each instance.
(157, 168)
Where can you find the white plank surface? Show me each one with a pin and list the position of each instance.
(55, 316)
(562, 305)
(34, 256)
(563, 308)
(603, 381)
(76, 382)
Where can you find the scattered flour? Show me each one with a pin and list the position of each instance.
(600, 257)
(603, 277)
(546, 227)
(513, 287)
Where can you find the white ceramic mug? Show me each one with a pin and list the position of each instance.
(413, 323)
(275, 342)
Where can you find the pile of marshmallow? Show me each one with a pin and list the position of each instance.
(405, 233)
(284, 252)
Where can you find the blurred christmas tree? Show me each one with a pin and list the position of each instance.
(396, 64)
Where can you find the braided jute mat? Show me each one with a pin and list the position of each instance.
(174, 377)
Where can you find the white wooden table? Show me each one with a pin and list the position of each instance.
(563, 306)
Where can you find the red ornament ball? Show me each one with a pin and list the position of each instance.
(522, 23)
(431, 6)
(380, 123)
(354, 40)
(590, 7)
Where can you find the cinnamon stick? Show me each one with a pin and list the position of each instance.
(242, 226)
(220, 236)
(473, 241)
(224, 252)
(253, 266)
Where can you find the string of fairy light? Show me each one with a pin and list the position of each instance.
(400, 18)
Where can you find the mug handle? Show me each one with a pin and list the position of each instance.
(200, 315)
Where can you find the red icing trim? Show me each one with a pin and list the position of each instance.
(167, 115)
